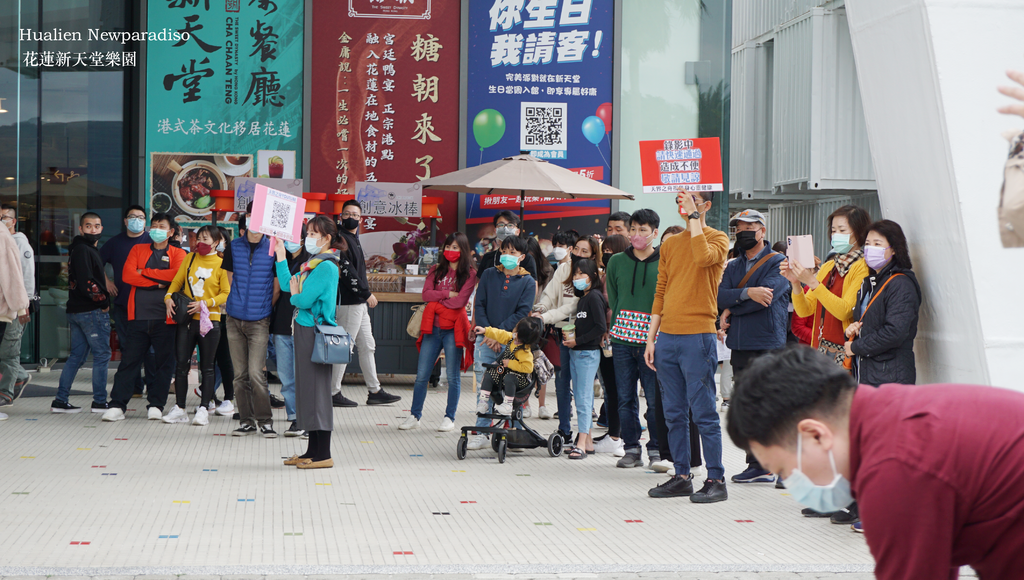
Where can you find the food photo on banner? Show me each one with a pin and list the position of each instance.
(385, 111)
(231, 87)
(540, 81)
(191, 187)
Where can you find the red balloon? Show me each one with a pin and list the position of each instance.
(604, 111)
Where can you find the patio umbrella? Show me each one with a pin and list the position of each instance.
(522, 176)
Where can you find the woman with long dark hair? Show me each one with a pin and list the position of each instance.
(314, 293)
(202, 279)
(584, 346)
(882, 336)
(544, 269)
(446, 292)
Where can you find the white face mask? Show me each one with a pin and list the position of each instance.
(820, 498)
(559, 253)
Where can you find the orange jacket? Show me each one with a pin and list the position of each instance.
(138, 275)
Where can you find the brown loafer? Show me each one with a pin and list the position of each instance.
(295, 460)
(329, 462)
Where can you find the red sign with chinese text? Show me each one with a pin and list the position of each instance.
(668, 165)
(385, 99)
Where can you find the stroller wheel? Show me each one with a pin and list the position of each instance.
(460, 447)
(502, 448)
(495, 441)
(554, 445)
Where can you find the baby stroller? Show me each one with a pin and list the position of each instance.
(510, 431)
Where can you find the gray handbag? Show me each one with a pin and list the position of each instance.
(332, 345)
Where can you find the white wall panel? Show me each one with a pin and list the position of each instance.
(791, 142)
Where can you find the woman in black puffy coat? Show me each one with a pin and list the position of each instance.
(885, 317)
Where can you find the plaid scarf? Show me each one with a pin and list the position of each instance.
(308, 265)
(844, 261)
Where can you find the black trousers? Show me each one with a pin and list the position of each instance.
(741, 359)
(141, 334)
(186, 339)
(611, 396)
(227, 369)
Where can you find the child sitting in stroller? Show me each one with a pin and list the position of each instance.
(514, 366)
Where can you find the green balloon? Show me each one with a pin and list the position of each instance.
(488, 128)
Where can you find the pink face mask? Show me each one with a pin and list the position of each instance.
(640, 242)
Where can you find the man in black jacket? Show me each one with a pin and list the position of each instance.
(353, 315)
(88, 319)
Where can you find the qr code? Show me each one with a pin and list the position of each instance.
(280, 215)
(543, 126)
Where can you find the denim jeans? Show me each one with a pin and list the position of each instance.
(141, 336)
(563, 389)
(686, 368)
(630, 365)
(10, 358)
(120, 316)
(248, 340)
(284, 345)
(430, 348)
(584, 365)
(483, 355)
(90, 331)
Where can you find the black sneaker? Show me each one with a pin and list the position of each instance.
(63, 407)
(236, 417)
(5, 400)
(340, 400)
(779, 484)
(382, 397)
(848, 516)
(676, 486)
(713, 491)
(272, 379)
(19, 388)
(276, 402)
(244, 430)
(754, 475)
(809, 513)
(294, 431)
(268, 432)
(100, 407)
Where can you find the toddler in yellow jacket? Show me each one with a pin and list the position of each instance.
(516, 364)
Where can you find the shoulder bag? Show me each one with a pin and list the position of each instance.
(414, 328)
(750, 272)
(181, 301)
(332, 345)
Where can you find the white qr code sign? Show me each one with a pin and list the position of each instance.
(276, 213)
(543, 129)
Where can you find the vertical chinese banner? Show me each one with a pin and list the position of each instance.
(540, 80)
(385, 107)
(230, 88)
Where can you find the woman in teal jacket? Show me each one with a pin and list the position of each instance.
(314, 294)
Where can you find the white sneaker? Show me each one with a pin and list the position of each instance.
(608, 445)
(116, 414)
(411, 422)
(176, 415)
(620, 452)
(527, 412)
(202, 418)
(446, 425)
(483, 403)
(503, 409)
(226, 409)
(212, 407)
(477, 442)
(697, 473)
(543, 412)
(662, 466)
(3, 416)
(153, 414)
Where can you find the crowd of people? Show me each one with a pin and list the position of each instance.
(638, 313)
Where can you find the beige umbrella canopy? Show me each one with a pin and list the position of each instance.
(522, 176)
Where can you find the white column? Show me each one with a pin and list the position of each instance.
(928, 71)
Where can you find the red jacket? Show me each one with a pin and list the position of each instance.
(462, 329)
(137, 260)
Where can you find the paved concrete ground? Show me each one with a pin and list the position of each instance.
(86, 498)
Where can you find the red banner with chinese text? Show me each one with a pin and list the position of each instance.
(385, 101)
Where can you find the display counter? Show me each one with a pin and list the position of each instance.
(396, 350)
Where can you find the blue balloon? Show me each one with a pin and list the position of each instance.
(593, 129)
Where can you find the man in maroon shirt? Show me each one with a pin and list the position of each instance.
(937, 470)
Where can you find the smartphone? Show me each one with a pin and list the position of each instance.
(800, 249)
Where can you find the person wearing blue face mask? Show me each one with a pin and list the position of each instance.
(934, 469)
(882, 338)
(281, 334)
(832, 294)
(584, 344)
(505, 295)
(115, 252)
